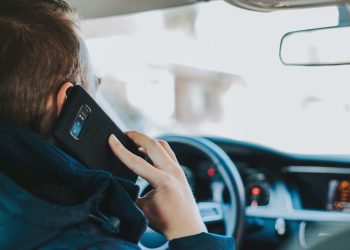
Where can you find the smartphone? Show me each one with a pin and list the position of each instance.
(82, 130)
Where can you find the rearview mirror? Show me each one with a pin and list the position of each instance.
(316, 47)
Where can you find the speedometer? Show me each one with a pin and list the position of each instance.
(257, 188)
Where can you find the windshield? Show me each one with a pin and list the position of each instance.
(213, 69)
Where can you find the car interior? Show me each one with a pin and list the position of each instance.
(253, 97)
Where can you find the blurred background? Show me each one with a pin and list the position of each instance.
(212, 69)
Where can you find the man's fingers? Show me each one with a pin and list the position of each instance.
(153, 148)
(134, 162)
(168, 149)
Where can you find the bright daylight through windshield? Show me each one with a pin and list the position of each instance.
(211, 69)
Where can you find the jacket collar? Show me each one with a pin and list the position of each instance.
(22, 213)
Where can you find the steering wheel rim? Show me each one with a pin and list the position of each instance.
(230, 175)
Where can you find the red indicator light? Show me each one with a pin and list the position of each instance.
(256, 191)
(211, 172)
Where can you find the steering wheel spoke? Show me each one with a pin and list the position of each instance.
(211, 212)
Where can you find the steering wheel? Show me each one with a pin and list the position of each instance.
(215, 210)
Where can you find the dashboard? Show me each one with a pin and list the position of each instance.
(288, 196)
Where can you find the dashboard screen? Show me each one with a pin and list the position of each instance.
(339, 195)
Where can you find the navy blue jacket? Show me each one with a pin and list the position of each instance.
(48, 200)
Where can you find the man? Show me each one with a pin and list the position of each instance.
(47, 199)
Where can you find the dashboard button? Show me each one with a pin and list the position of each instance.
(281, 227)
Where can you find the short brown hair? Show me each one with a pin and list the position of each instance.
(39, 50)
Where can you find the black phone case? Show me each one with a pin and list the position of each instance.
(92, 148)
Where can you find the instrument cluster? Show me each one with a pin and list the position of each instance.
(207, 183)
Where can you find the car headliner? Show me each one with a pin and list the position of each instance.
(104, 8)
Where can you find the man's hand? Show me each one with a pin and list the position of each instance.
(170, 207)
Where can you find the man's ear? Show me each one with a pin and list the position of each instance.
(62, 96)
